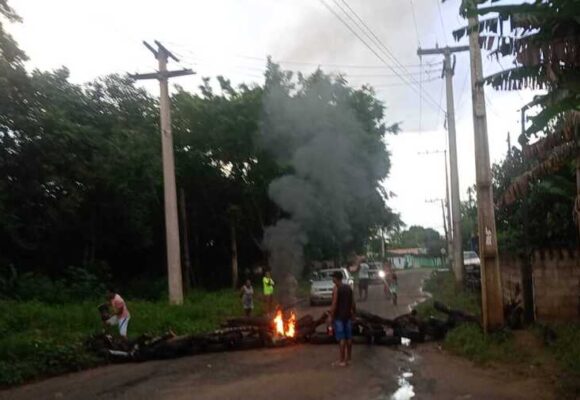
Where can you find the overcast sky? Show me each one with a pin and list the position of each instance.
(233, 38)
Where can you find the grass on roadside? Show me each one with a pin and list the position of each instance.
(38, 339)
(502, 347)
(467, 340)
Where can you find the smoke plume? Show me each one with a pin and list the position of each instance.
(333, 165)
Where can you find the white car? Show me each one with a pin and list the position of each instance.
(471, 259)
(321, 285)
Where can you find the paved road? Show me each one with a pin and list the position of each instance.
(296, 373)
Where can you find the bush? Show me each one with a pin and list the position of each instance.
(76, 284)
(441, 286)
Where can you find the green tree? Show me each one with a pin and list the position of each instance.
(542, 38)
(418, 236)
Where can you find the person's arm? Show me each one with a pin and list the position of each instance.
(353, 306)
(333, 305)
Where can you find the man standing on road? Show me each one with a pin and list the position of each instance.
(363, 280)
(342, 312)
(268, 284)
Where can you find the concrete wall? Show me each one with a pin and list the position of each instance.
(556, 283)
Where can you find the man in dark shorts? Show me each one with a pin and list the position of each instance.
(342, 312)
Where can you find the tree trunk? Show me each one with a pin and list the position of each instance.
(234, 254)
(577, 203)
(185, 240)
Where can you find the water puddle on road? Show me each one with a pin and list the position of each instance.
(405, 390)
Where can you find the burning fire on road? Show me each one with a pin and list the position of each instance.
(284, 328)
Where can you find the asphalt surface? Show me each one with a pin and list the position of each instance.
(295, 372)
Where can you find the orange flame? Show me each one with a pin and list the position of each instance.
(287, 328)
(291, 329)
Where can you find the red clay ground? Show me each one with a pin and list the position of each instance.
(300, 372)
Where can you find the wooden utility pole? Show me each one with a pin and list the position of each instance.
(443, 214)
(444, 220)
(171, 220)
(448, 206)
(491, 292)
(455, 198)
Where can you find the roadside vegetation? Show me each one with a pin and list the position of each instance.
(552, 351)
(39, 338)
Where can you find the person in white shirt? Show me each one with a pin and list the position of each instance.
(363, 280)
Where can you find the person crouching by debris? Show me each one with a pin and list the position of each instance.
(342, 313)
(120, 314)
(268, 284)
(247, 294)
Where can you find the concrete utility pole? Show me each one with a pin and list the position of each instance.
(442, 210)
(455, 199)
(491, 292)
(446, 222)
(448, 206)
(171, 221)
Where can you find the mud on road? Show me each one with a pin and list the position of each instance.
(299, 372)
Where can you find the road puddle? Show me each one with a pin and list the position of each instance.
(405, 390)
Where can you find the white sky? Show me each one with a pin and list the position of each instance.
(233, 38)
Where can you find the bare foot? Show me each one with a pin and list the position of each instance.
(339, 364)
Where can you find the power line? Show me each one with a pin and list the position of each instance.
(371, 35)
(402, 84)
(415, 22)
(312, 63)
(331, 65)
(187, 62)
(441, 21)
(427, 72)
(370, 48)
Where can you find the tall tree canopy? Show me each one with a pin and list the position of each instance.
(81, 182)
(418, 236)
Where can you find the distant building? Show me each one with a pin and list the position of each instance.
(412, 258)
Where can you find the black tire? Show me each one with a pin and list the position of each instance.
(322, 338)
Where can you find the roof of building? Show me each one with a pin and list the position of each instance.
(416, 251)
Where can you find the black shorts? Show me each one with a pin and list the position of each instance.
(363, 284)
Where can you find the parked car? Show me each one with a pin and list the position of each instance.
(471, 259)
(472, 274)
(321, 285)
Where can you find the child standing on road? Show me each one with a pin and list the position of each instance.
(247, 294)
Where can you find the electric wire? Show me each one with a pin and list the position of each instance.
(441, 21)
(379, 56)
(377, 41)
(420, 68)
